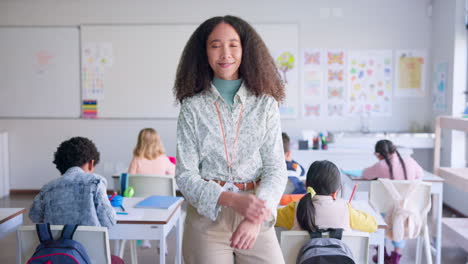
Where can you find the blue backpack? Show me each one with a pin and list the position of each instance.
(65, 250)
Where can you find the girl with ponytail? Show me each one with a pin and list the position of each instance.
(391, 164)
(320, 208)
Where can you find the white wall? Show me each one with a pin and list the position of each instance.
(449, 39)
(365, 24)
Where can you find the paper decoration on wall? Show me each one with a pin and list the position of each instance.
(439, 102)
(370, 83)
(96, 58)
(312, 58)
(312, 82)
(89, 109)
(92, 82)
(410, 72)
(44, 60)
(336, 82)
(335, 57)
(336, 109)
(336, 93)
(97, 54)
(335, 75)
(311, 110)
(286, 63)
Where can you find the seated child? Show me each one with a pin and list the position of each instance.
(149, 159)
(149, 156)
(391, 165)
(321, 209)
(295, 170)
(79, 196)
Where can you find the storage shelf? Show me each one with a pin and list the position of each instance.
(457, 177)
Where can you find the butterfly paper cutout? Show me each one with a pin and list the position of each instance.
(312, 110)
(335, 75)
(335, 92)
(336, 58)
(312, 58)
(335, 109)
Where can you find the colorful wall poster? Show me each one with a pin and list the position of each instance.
(335, 75)
(89, 109)
(369, 83)
(336, 109)
(287, 63)
(439, 94)
(312, 110)
(313, 58)
(312, 82)
(96, 58)
(92, 82)
(44, 60)
(410, 72)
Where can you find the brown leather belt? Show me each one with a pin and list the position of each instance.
(243, 186)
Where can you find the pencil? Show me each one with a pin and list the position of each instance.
(352, 194)
(123, 209)
(112, 196)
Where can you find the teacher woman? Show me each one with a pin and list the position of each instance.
(230, 160)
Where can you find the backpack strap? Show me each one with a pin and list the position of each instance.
(315, 234)
(68, 231)
(43, 232)
(333, 233)
(391, 189)
(336, 233)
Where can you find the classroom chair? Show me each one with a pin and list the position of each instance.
(144, 186)
(382, 201)
(292, 241)
(95, 240)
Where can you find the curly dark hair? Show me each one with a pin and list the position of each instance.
(257, 69)
(75, 152)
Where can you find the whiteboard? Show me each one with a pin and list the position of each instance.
(39, 72)
(137, 75)
(138, 82)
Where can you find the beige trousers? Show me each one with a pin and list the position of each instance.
(208, 242)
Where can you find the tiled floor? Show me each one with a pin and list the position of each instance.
(451, 254)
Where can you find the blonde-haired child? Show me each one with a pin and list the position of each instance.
(149, 158)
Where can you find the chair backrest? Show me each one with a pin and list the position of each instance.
(95, 239)
(292, 241)
(382, 201)
(147, 185)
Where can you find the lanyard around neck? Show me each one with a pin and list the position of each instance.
(231, 160)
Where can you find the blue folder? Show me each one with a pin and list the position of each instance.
(353, 173)
(158, 202)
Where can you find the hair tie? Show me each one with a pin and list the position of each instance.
(311, 191)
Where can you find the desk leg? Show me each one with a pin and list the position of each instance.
(381, 245)
(178, 255)
(116, 247)
(438, 242)
(162, 246)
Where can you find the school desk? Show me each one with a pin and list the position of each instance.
(151, 224)
(437, 196)
(10, 220)
(378, 237)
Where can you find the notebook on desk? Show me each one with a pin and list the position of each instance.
(353, 173)
(159, 202)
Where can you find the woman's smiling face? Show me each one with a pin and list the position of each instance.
(224, 50)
